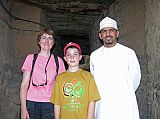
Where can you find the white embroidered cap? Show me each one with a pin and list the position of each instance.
(108, 22)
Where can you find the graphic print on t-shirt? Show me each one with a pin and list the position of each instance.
(73, 93)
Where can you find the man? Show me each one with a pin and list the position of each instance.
(117, 73)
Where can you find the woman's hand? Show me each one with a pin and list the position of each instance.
(24, 114)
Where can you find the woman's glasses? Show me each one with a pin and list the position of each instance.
(43, 38)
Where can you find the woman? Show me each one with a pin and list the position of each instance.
(37, 85)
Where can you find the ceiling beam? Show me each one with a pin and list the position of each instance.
(67, 7)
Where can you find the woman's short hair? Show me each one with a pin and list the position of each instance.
(47, 31)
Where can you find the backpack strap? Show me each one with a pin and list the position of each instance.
(57, 63)
(34, 60)
(33, 63)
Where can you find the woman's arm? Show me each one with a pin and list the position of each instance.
(23, 94)
(91, 109)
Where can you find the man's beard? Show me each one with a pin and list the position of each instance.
(108, 41)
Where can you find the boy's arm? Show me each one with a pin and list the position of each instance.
(57, 111)
(91, 109)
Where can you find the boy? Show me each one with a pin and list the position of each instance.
(75, 91)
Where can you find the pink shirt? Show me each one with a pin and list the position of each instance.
(41, 93)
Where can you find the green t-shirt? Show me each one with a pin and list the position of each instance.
(73, 91)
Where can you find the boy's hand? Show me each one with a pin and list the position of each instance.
(57, 111)
(91, 109)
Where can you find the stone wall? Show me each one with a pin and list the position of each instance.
(25, 34)
(152, 35)
(7, 102)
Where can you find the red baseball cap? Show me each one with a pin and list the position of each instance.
(74, 45)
